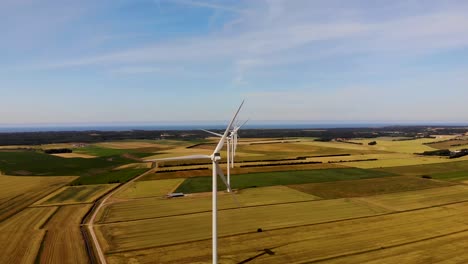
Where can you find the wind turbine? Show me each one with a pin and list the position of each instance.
(217, 171)
(234, 138)
(231, 142)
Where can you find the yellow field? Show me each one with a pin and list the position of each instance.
(146, 165)
(76, 194)
(333, 241)
(20, 237)
(17, 192)
(64, 241)
(168, 230)
(419, 199)
(74, 155)
(139, 209)
(445, 249)
(149, 188)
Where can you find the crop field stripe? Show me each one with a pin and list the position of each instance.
(386, 247)
(261, 179)
(205, 211)
(296, 226)
(41, 249)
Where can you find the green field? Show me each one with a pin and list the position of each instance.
(451, 176)
(40, 164)
(241, 181)
(429, 169)
(117, 176)
(368, 187)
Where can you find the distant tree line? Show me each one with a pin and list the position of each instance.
(58, 151)
(37, 138)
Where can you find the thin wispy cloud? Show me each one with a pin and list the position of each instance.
(314, 50)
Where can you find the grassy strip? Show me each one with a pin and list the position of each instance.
(119, 176)
(451, 176)
(241, 181)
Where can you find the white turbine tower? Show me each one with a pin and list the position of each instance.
(217, 171)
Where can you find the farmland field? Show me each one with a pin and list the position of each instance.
(429, 169)
(34, 163)
(64, 241)
(154, 232)
(240, 181)
(76, 194)
(149, 188)
(20, 235)
(338, 240)
(419, 199)
(367, 187)
(17, 192)
(361, 204)
(205, 171)
(137, 209)
(114, 176)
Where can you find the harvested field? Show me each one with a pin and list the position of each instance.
(153, 208)
(241, 181)
(18, 192)
(64, 242)
(167, 230)
(444, 249)
(371, 236)
(20, 236)
(419, 199)
(76, 194)
(74, 155)
(149, 188)
(367, 187)
(146, 165)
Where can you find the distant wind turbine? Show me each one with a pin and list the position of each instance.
(231, 142)
(217, 171)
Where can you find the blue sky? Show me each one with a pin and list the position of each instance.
(186, 60)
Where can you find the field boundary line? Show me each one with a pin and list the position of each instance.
(37, 260)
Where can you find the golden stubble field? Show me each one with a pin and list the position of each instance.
(296, 232)
(18, 192)
(76, 194)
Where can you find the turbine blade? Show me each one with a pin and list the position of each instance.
(238, 127)
(190, 157)
(213, 133)
(221, 175)
(223, 138)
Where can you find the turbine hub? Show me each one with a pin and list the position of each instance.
(216, 156)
